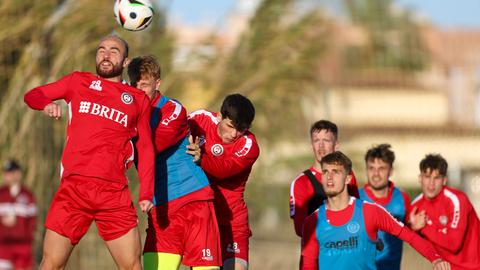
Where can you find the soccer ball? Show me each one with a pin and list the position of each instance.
(133, 15)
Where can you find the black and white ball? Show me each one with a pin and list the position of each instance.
(133, 15)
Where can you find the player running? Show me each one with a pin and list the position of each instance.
(105, 115)
(445, 217)
(342, 233)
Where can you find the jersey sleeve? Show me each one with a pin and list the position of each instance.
(145, 153)
(225, 166)
(172, 128)
(408, 208)
(299, 197)
(451, 237)
(310, 247)
(39, 97)
(377, 218)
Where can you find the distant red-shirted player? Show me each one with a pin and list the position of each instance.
(18, 213)
(104, 116)
(229, 151)
(306, 192)
(342, 233)
(445, 217)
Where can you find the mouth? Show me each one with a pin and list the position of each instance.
(106, 64)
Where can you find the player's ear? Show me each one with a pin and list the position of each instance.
(348, 179)
(157, 84)
(126, 61)
(219, 116)
(337, 145)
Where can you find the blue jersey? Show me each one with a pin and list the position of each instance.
(347, 246)
(176, 174)
(390, 257)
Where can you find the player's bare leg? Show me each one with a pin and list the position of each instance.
(126, 250)
(56, 251)
(235, 264)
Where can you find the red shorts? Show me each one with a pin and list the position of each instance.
(234, 240)
(191, 232)
(16, 256)
(80, 200)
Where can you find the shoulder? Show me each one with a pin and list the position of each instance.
(456, 197)
(418, 200)
(246, 146)
(299, 181)
(204, 116)
(26, 191)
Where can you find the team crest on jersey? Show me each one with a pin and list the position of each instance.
(127, 98)
(353, 227)
(443, 220)
(217, 149)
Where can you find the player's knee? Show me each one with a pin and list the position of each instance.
(235, 264)
(51, 263)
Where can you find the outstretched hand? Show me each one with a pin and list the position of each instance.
(418, 220)
(145, 206)
(53, 110)
(193, 148)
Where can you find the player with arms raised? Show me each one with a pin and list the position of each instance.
(105, 114)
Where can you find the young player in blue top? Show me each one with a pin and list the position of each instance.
(379, 189)
(342, 233)
(182, 227)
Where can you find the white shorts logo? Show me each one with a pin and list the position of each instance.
(233, 248)
(127, 98)
(217, 149)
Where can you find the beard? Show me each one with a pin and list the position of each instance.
(381, 187)
(115, 71)
(333, 193)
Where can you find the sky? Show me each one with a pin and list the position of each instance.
(443, 13)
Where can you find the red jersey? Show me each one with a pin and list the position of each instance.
(226, 165)
(375, 218)
(103, 118)
(302, 192)
(452, 227)
(173, 125)
(21, 205)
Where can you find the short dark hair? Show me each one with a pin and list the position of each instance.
(11, 165)
(434, 162)
(324, 125)
(143, 66)
(338, 158)
(382, 152)
(239, 109)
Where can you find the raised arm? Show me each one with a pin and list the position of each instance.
(39, 97)
(146, 155)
